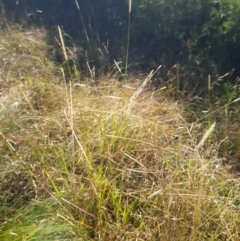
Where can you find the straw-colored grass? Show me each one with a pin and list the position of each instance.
(109, 162)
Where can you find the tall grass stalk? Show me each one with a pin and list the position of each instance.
(128, 35)
(62, 44)
(83, 25)
(64, 53)
(209, 99)
(179, 87)
(210, 125)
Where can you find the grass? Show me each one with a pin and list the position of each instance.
(128, 35)
(107, 162)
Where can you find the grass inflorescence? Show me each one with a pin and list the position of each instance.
(107, 162)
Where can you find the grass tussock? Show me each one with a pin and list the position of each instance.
(102, 163)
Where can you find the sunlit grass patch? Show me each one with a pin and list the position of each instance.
(107, 162)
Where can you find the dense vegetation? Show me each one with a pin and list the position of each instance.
(107, 162)
(203, 37)
(91, 149)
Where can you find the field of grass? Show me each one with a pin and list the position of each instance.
(109, 162)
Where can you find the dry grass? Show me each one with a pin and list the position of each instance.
(92, 163)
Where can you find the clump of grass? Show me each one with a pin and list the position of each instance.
(113, 162)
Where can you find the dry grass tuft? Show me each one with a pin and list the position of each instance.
(102, 163)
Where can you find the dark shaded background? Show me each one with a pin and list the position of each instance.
(200, 37)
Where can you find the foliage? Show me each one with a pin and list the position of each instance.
(201, 36)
